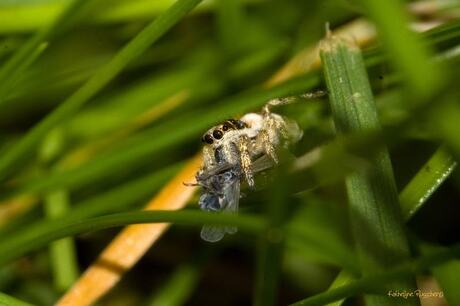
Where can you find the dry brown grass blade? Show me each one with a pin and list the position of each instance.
(132, 242)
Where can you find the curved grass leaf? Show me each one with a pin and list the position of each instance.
(13, 248)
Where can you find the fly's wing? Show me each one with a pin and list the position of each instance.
(262, 163)
(212, 233)
(232, 197)
(216, 169)
(230, 202)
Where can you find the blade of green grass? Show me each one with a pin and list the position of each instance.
(63, 259)
(376, 282)
(271, 247)
(17, 246)
(426, 182)
(373, 200)
(409, 54)
(19, 153)
(7, 300)
(62, 252)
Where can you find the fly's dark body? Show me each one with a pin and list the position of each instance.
(220, 192)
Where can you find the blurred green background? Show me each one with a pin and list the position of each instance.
(114, 152)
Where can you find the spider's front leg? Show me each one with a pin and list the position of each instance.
(243, 144)
(208, 157)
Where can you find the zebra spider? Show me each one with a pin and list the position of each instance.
(234, 151)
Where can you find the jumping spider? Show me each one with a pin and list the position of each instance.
(240, 142)
(234, 151)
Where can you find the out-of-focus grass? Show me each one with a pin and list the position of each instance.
(130, 139)
(137, 46)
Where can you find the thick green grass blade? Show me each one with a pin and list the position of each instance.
(373, 199)
(62, 252)
(6, 300)
(426, 182)
(19, 153)
(376, 282)
(408, 53)
(15, 247)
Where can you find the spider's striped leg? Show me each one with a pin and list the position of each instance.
(243, 144)
(208, 157)
(268, 137)
(292, 99)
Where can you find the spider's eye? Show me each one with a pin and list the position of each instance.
(217, 134)
(207, 139)
(225, 127)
